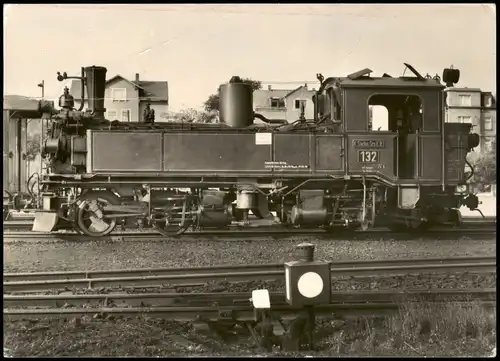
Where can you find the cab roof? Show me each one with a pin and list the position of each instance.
(362, 79)
(406, 82)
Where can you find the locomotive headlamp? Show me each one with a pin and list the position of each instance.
(461, 188)
(308, 282)
(451, 76)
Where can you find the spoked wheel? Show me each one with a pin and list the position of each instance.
(90, 213)
(176, 218)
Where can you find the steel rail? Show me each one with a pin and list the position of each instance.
(142, 272)
(24, 223)
(477, 227)
(231, 298)
(201, 279)
(230, 313)
(445, 234)
(28, 219)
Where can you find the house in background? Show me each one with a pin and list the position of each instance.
(471, 105)
(284, 103)
(489, 119)
(126, 100)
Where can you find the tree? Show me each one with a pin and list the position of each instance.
(33, 145)
(212, 103)
(485, 167)
(194, 116)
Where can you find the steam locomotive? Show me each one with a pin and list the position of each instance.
(331, 171)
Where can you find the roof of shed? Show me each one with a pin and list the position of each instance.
(20, 103)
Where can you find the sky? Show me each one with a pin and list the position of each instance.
(198, 47)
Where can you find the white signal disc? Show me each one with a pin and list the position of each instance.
(310, 285)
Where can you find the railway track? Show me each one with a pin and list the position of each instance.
(228, 313)
(234, 298)
(91, 295)
(477, 228)
(188, 277)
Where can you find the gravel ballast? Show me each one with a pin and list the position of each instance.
(66, 256)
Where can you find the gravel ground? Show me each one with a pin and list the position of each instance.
(149, 337)
(39, 257)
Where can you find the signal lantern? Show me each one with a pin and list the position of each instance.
(308, 282)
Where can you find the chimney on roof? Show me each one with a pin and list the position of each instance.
(269, 87)
(136, 77)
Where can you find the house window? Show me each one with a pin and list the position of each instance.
(277, 103)
(487, 101)
(299, 102)
(464, 119)
(125, 115)
(119, 94)
(465, 100)
(112, 115)
(488, 123)
(488, 144)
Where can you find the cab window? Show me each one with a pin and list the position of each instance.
(395, 113)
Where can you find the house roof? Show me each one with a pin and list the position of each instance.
(154, 90)
(466, 90)
(484, 96)
(295, 90)
(149, 90)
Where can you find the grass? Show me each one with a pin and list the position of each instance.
(418, 329)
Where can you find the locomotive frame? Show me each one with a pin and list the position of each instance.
(327, 172)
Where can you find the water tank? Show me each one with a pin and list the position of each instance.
(236, 103)
(96, 86)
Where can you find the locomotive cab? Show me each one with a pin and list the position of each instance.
(394, 130)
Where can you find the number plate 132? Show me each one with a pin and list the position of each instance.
(368, 156)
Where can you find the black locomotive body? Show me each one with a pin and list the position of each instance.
(332, 171)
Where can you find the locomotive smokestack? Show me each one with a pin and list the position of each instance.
(96, 85)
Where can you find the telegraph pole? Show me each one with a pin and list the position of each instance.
(42, 85)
